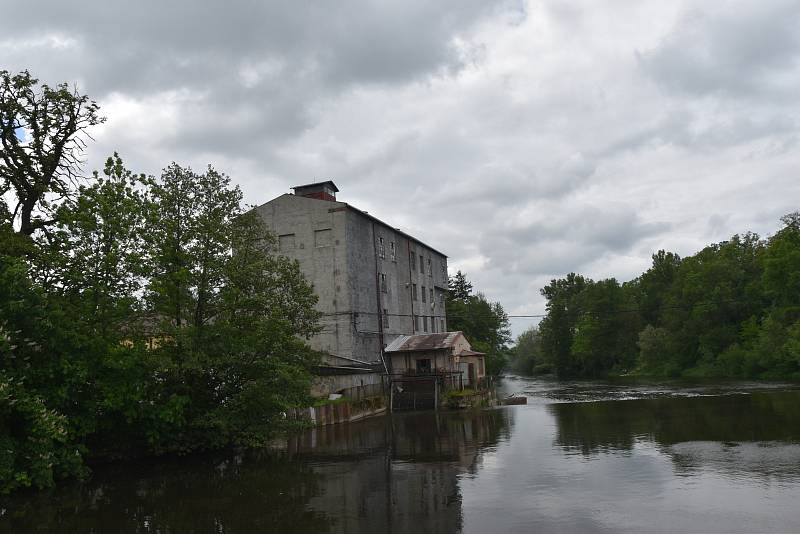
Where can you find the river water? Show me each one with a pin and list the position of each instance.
(588, 457)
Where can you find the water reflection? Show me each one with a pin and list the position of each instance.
(755, 433)
(691, 458)
(381, 475)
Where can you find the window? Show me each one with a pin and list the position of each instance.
(383, 283)
(424, 323)
(441, 323)
(381, 248)
(431, 293)
(286, 242)
(416, 323)
(423, 294)
(424, 366)
(421, 265)
(444, 269)
(433, 325)
(392, 251)
(413, 291)
(385, 318)
(413, 259)
(430, 270)
(322, 238)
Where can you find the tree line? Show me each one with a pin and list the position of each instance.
(731, 310)
(138, 314)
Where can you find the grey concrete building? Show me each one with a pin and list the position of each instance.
(374, 282)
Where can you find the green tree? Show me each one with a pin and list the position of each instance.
(526, 356)
(42, 135)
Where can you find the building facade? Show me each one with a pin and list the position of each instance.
(374, 282)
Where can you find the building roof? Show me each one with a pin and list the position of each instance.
(326, 182)
(419, 342)
(339, 205)
(399, 231)
(469, 352)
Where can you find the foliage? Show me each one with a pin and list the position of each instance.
(484, 323)
(156, 318)
(730, 310)
(42, 134)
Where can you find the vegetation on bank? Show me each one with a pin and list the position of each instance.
(138, 314)
(484, 323)
(731, 310)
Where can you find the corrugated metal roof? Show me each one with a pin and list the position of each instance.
(444, 340)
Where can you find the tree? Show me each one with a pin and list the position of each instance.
(101, 248)
(42, 136)
(526, 356)
(484, 323)
(459, 287)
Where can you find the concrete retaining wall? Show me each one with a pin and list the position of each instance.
(342, 412)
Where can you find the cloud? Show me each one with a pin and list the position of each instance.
(524, 139)
(739, 49)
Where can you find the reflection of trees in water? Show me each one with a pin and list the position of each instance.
(343, 478)
(716, 426)
(209, 494)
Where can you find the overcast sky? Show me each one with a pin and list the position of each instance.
(525, 140)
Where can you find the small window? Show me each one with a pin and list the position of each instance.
(433, 325)
(430, 270)
(431, 294)
(444, 269)
(413, 291)
(286, 242)
(421, 264)
(424, 323)
(381, 248)
(322, 238)
(383, 283)
(423, 294)
(392, 251)
(441, 323)
(385, 318)
(413, 259)
(416, 323)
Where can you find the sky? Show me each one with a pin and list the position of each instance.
(526, 140)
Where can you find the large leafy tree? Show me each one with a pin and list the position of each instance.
(43, 132)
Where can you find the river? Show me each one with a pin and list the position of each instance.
(588, 457)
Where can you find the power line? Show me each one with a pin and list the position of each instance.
(686, 307)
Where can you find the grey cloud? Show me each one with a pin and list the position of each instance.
(258, 68)
(569, 240)
(740, 49)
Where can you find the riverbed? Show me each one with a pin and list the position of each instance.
(588, 457)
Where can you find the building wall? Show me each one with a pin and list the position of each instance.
(346, 273)
(309, 232)
(441, 360)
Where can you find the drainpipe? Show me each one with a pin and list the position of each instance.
(378, 297)
(410, 286)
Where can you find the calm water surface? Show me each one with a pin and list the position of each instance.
(581, 457)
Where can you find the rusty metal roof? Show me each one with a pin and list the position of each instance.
(444, 340)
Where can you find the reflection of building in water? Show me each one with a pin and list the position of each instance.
(400, 473)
